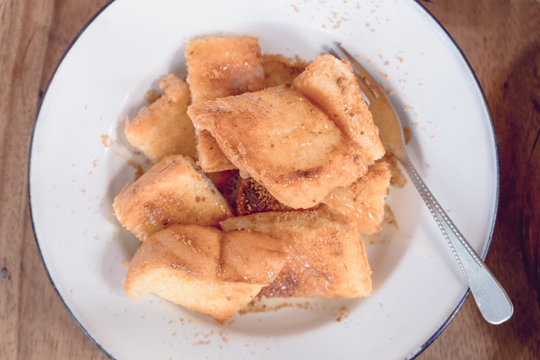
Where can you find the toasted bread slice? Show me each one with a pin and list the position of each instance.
(211, 158)
(204, 269)
(163, 128)
(332, 85)
(223, 66)
(170, 192)
(363, 200)
(254, 198)
(279, 69)
(284, 142)
(251, 257)
(219, 67)
(326, 254)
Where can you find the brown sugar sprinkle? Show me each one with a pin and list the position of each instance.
(106, 140)
(139, 170)
(387, 63)
(389, 217)
(343, 313)
(407, 134)
(296, 8)
(256, 307)
(398, 179)
(202, 342)
(224, 338)
(254, 198)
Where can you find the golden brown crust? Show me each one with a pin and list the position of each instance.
(163, 128)
(228, 184)
(223, 66)
(205, 269)
(172, 191)
(211, 158)
(219, 67)
(252, 257)
(332, 85)
(284, 142)
(326, 255)
(254, 198)
(363, 200)
(279, 69)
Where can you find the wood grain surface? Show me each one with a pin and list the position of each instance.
(500, 38)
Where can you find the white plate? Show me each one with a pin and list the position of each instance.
(78, 163)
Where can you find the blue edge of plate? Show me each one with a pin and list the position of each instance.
(416, 352)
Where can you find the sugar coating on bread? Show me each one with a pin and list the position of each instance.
(204, 269)
(223, 66)
(326, 254)
(172, 191)
(284, 142)
(219, 67)
(331, 84)
(363, 200)
(254, 198)
(164, 128)
(251, 257)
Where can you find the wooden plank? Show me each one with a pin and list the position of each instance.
(501, 39)
(33, 321)
(23, 40)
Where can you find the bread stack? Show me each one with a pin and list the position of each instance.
(265, 176)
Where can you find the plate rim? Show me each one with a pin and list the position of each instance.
(29, 169)
(459, 55)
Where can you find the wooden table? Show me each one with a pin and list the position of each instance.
(501, 39)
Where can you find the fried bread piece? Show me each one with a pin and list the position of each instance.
(331, 84)
(223, 66)
(163, 128)
(204, 269)
(211, 158)
(172, 191)
(228, 184)
(363, 200)
(284, 142)
(326, 254)
(279, 69)
(254, 198)
(219, 67)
